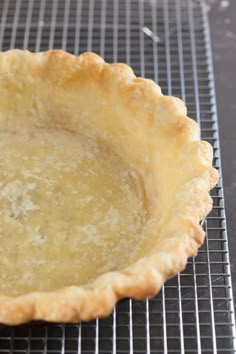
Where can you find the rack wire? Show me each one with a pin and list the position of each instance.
(169, 42)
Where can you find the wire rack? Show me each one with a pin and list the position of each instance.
(167, 41)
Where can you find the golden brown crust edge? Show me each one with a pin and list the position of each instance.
(183, 233)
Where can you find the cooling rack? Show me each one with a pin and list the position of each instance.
(169, 42)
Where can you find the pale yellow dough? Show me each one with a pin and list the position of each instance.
(103, 182)
(67, 209)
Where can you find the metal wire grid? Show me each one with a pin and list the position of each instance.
(167, 41)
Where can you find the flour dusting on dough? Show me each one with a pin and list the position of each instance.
(18, 195)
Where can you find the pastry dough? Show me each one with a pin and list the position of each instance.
(103, 182)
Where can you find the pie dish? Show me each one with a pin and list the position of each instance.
(103, 182)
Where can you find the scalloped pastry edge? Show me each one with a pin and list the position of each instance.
(145, 277)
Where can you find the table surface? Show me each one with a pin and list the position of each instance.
(223, 32)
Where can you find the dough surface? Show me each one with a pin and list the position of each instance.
(69, 211)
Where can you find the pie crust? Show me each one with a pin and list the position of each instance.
(103, 182)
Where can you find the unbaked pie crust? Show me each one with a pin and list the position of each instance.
(103, 182)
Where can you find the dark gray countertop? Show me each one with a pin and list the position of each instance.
(222, 15)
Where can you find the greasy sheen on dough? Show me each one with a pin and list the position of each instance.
(103, 182)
